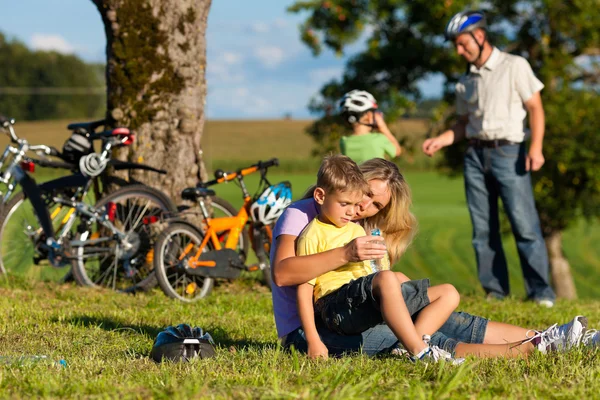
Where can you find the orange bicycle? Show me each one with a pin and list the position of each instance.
(188, 258)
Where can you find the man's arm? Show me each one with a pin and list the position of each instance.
(453, 135)
(535, 157)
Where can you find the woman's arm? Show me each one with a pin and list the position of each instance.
(289, 269)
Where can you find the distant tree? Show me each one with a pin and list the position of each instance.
(155, 74)
(33, 71)
(405, 44)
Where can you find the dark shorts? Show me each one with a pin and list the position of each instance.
(352, 309)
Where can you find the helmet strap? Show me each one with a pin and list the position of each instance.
(480, 45)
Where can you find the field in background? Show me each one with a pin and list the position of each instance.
(233, 144)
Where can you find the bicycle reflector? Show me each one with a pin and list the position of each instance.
(27, 166)
(111, 211)
(150, 220)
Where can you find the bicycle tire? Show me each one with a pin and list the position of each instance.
(229, 210)
(20, 237)
(126, 270)
(168, 268)
(262, 248)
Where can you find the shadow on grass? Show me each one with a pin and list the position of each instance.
(218, 333)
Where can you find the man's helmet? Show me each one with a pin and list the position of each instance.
(357, 102)
(271, 203)
(465, 21)
(182, 343)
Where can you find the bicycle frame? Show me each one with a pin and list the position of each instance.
(231, 225)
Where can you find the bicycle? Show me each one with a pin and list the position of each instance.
(64, 197)
(188, 258)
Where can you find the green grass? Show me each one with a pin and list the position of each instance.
(106, 339)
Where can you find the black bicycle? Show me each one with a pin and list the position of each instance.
(42, 221)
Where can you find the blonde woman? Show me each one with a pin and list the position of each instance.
(388, 208)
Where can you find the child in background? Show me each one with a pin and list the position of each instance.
(359, 109)
(353, 298)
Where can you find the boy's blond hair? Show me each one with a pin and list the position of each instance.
(339, 173)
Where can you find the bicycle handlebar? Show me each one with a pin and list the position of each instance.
(221, 176)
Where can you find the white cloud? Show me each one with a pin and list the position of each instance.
(280, 23)
(51, 42)
(323, 75)
(269, 56)
(232, 58)
(260, 27)
(242, 99)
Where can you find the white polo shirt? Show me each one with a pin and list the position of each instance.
(493, 96)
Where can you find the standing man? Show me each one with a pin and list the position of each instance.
(492, 101)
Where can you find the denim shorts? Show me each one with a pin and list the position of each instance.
(352, 309)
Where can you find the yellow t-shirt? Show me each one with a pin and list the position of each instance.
(318, 237)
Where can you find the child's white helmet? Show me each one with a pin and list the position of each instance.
(357, 102)
(271, 203)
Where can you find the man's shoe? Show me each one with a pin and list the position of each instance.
(560, 337)
(491, 296)
(545, 303)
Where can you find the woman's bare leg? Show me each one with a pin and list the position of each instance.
(501, 333)
(508, 350)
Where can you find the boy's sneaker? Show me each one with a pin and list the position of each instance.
(560, 337)
(591, 338)
(434, 353)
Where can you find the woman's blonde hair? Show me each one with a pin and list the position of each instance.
(395, 220)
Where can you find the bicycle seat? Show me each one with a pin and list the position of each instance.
(193, 193)
(86, 126)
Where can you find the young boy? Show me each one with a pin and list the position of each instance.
(359, 109)
(353, 298)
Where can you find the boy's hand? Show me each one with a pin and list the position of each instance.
(365, 248)
(317, 349)
(378, 119)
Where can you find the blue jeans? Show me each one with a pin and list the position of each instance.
(460, 328)
(499, 172)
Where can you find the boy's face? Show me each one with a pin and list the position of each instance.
(338, 208)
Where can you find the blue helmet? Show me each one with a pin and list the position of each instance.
(182, 343)
(463, 22)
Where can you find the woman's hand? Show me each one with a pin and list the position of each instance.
(317, 349)
(365, 248)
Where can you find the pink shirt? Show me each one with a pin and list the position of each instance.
(293, 220)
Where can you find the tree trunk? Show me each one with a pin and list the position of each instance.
(560, 268)
(155, 73)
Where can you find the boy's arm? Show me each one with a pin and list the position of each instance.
(316, 348)
(383, 128)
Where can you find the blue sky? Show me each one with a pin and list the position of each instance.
(257, 65)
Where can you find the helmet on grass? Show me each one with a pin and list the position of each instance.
(464, 22)
(182, 343)
(271, 203)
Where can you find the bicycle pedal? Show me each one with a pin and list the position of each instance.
(253, 267)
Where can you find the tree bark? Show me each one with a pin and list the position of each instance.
(155, 74)
(560, 268)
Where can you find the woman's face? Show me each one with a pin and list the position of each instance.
(372, 205)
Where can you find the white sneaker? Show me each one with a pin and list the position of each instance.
(591, 338)
(435, 354)
(560, 337)
(545, 303)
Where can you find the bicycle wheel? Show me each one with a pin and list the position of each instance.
(262, 247)
(100, 259)
(169, 264)
(21, 237)
(222, 208)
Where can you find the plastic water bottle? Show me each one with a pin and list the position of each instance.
(375, 263)
(29, 360)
